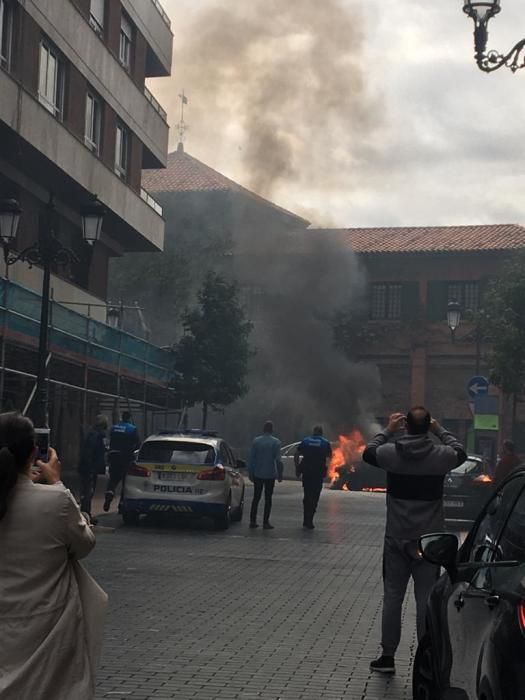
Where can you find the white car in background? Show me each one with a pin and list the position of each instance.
(192, 473)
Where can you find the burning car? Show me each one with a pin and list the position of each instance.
(348, 472)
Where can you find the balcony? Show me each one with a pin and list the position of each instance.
(81, 340)
(133, 224)
(155, 104)
(150, 201)
(162, 12)
(61, 22)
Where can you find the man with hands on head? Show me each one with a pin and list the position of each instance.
(416, 465)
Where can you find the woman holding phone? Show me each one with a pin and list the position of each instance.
(45, 649)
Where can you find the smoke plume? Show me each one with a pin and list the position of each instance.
(298, 377)
(283, 81)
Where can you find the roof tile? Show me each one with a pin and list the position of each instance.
(184, 173)
(436, 238)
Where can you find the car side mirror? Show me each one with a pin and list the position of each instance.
(241, 464)
(440, 548)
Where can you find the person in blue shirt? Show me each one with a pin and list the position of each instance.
(264, 468)
(123, 441)
(311, 464)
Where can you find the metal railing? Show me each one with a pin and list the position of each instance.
(155, 104)
(162, 12)
(83, 337)
(150, 201)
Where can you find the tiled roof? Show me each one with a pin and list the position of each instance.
(184, 173)
(436, 238)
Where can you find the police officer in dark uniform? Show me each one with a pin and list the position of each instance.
(311, 460)
(123, 441)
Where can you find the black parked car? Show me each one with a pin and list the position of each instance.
(466, 490)
(474, 647)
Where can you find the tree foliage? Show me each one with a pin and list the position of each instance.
(211, 359)
(503, 321)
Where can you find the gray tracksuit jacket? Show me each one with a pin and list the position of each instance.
(416, 468)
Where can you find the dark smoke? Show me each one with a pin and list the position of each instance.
(298, 377)
(284, 82)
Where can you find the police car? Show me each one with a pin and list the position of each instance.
(193, 473)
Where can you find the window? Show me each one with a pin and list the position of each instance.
(177, 452)
(51, 80)
(484, 540)
(385, 303)
(465, 293)
(121, 151)
(126, 37)
(512, 541)
(6, 29)
(96, 15)
(93, 123)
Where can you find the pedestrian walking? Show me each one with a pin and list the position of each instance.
(92, 462)
(416, 466)
(48, 645)
(123, 441)
(507, 462)
(311, 465)
(264, 468)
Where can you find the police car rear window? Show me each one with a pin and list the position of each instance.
(177, 452)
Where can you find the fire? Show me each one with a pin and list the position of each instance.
(347, 453)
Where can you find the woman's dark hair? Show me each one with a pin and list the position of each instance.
(17, 442)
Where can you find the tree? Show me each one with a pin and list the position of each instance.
(503, 321)
(211, 359)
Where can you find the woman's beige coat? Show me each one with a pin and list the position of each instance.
(43, 646)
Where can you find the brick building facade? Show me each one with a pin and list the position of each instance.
(412, 275)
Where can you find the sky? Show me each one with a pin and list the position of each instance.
(373, 114)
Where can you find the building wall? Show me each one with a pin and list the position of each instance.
(435, 369)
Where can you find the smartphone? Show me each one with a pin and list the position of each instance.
(42, 436)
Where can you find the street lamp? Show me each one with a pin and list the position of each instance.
(92, 217)
(10, 212)
(453, 317)
(48, 252)
(482, 11)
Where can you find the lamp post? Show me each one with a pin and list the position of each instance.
(481, 12)
(48, 252)
(453, 317)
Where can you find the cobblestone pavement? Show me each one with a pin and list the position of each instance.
(250, 614)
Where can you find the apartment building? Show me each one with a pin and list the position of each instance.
(77, 120)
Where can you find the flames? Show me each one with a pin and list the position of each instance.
(347, 453)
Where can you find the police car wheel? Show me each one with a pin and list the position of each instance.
(237, 514)
(131, 517)
(222, 522)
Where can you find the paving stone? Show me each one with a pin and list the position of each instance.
(280, 615)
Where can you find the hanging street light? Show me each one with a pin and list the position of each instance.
(10, 212)
(92, 219)
(47, 252)
(481, 12)
(453, 317)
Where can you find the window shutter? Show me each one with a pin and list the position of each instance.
(409, 300)
(437, 301)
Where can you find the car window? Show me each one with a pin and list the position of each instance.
(177, 452)
(224, 455)
(469, 466)
(485, 538)
(233, 460)
(511, 544)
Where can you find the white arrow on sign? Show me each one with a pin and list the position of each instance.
(478, 389)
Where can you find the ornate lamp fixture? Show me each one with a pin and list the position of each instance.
(481, 12)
